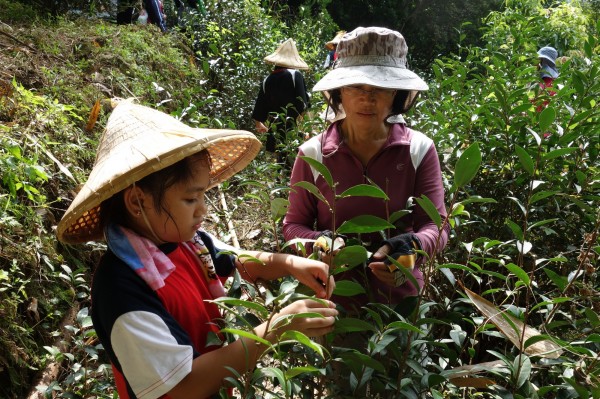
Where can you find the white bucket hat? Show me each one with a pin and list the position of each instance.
(372, 56)
(137, 142)
(547, 56)
(548, 53)
(286, 56)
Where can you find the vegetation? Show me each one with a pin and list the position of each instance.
(511, 305)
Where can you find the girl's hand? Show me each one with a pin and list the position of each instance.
(314, 274)
(310, 326)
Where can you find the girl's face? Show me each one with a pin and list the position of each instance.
(183, 209)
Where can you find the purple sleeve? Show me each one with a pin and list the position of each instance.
(302, 212)
(429, 183)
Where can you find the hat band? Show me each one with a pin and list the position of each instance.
(370, 60)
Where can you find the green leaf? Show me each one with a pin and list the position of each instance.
(428, 206)
(348, 288)
(364, 190)
(515, 229)
(541, 195)
(322, 169)
(518, 202)
(297, 336)
(395, 216)
(351, 256)
(524, 370)
(240, 302)
(271, 372)
(477, 199)
(520, 273)
(360, 361)
(467, 166)
(401, 325)
(312, 189)
(558, 280)
(536, 136)
(296, 371)
(552, 301)
(547, 116)
(541, 223)
(592, 317)
(246, 334)
(558, 153)
(350, 324)
(525, 158)
(364, 224)
(279, 208)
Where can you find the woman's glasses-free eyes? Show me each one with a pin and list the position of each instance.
(374, 92)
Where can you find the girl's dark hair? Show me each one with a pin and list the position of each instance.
(403, 100)
(113, 209)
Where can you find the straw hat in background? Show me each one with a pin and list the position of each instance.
(330, 45)
(138, 141)
(286, 56)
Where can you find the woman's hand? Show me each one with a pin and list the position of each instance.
(309, 326)
(380, 269)
(326, 249)
(314, 274)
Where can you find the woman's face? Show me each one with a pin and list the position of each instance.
(183, 209)
(366, 105)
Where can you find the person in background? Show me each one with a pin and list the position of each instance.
(332, 46)
(156, 15)
(328, 115)
(547, 66)
(548, 72)
(282, 99)
(368, 146)
(152, 290)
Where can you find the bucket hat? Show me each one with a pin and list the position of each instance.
(373, 56)
(330, 45)
(137, 142)
(286, 56)
(547, 56)
(548, 53)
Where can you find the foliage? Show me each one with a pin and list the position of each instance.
(563, 26)
(431, 28)
(522, 178)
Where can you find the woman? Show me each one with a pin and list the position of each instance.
(372, 144)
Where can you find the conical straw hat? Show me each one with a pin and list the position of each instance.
(330, 45)
(287, 56)
(138, 141)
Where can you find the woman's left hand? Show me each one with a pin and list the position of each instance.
(380, 269)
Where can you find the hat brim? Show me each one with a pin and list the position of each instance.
(230, 151)
(286, 62)
(547, 58)
(372, 75)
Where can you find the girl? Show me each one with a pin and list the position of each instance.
(150, 309)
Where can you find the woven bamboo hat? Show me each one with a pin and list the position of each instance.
(138, 141)
(287, 56)
(330, 45)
